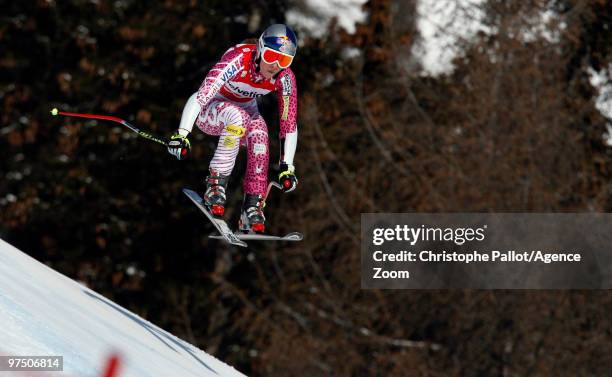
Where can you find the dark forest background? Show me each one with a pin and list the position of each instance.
(514, 127)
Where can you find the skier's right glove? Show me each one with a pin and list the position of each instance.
(179, 146)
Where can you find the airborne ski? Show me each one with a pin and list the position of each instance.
(293, 236)
(224, 230)
(238, 237)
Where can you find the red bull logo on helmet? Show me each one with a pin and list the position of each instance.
(284, 43)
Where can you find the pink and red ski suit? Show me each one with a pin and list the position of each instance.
(226, 106)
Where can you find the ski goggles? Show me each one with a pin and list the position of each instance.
(271, 56)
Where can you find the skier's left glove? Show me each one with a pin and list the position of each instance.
(287, 178)
(179, 146)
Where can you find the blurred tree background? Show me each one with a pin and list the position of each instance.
(513, 127)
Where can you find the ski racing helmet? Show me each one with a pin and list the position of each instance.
(277, 44)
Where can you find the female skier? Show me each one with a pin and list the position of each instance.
(226, 106)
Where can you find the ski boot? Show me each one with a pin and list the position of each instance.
(214, 197)
(252, 218)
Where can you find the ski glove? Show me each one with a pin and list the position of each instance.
(179, 146)
(287, 178)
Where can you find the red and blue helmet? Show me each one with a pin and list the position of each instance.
(277, 44)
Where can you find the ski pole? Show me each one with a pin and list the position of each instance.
(124, 122)
(270, 185)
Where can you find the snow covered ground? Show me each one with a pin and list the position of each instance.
(317, 14)
(44, 313)
(441, 25)
(602, 82)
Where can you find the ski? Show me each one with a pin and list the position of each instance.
(293, 236)
(224, 231)
(238, 237)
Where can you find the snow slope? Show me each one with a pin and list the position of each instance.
(43, 312)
